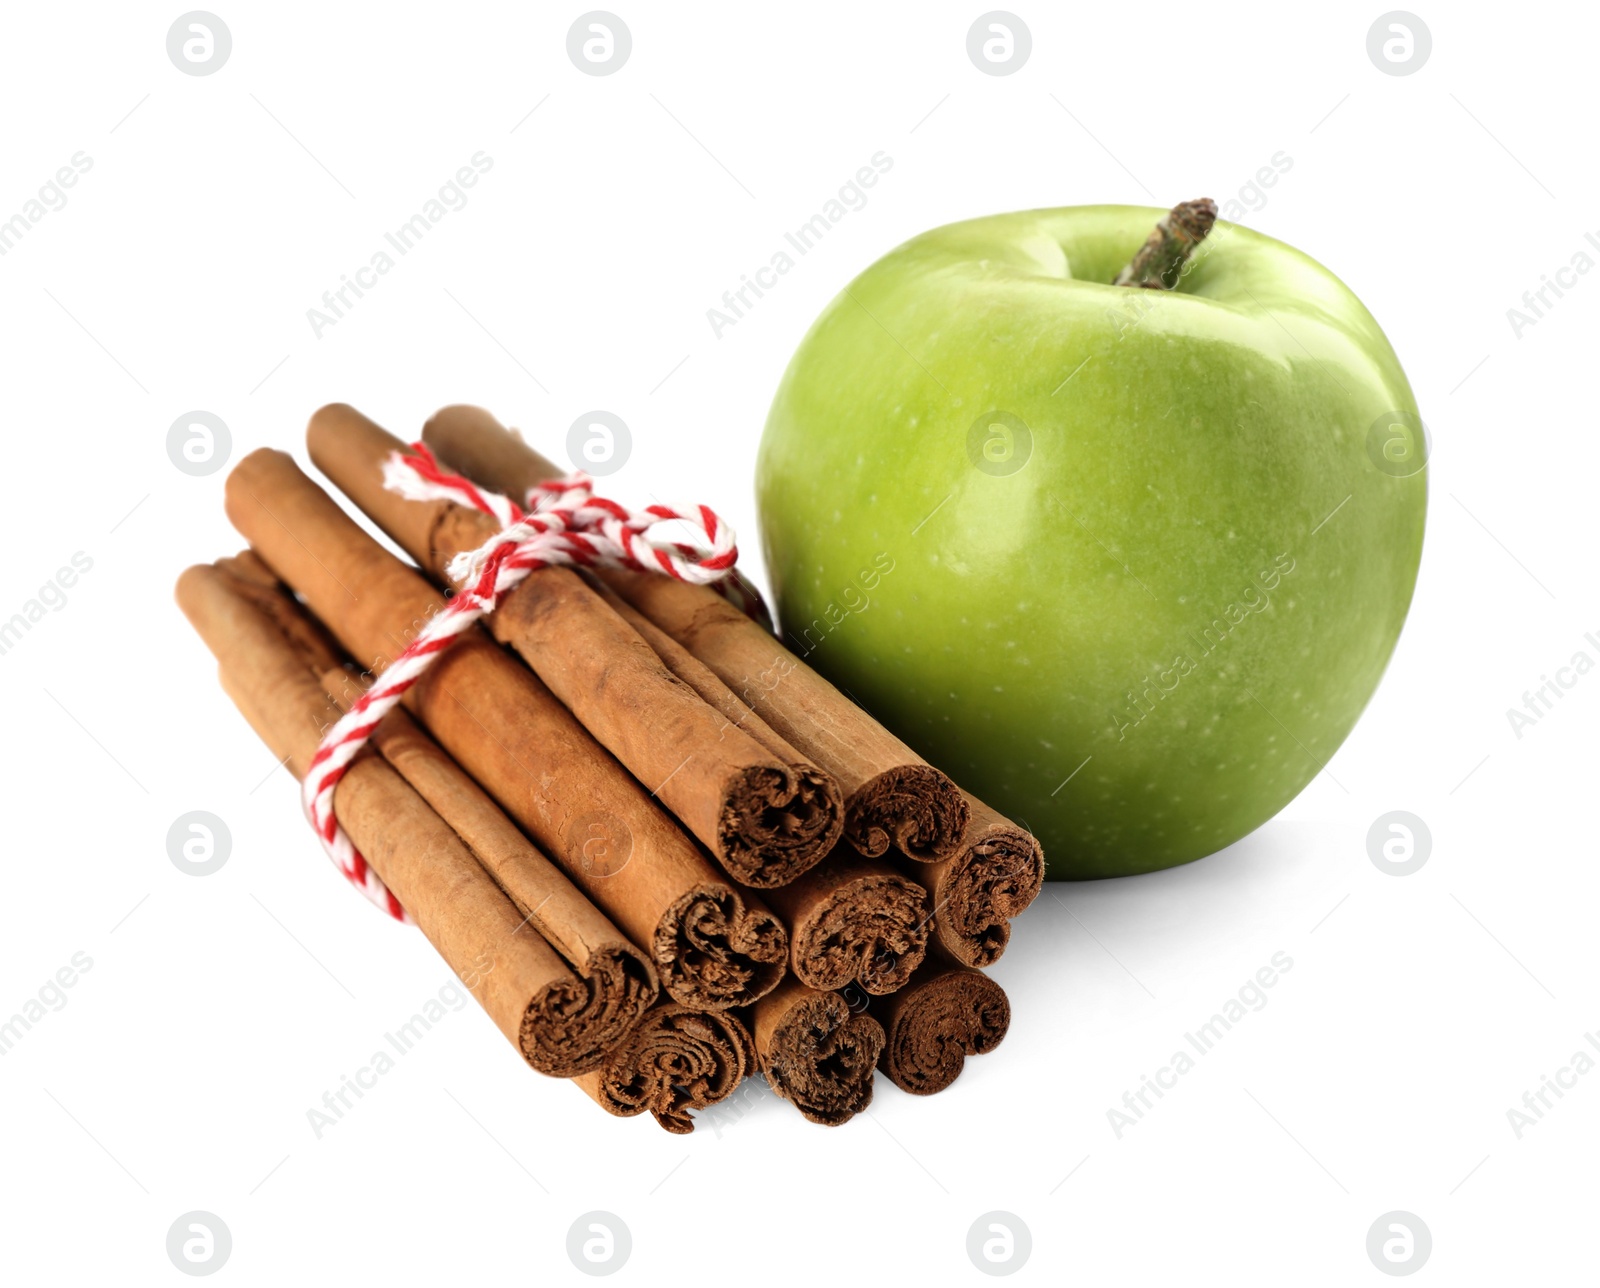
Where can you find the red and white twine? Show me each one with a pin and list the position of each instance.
(563, 524)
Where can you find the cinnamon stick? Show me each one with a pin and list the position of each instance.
(892, 795)
(711, 946)
(618, 983)
(674, 1060)
(251, 579)
(701, 678)
(766, 819)
(946, 1013)
(816, 1053)
(997, 872)
(563, 1023)
(854, 920)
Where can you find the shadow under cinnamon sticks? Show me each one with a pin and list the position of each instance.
(766, 813)
(712, 946)
(892, 796)
(564, 1010)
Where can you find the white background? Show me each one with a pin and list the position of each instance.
(218, 1010)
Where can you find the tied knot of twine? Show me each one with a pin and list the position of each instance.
(562, 523)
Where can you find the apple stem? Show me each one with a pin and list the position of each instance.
(1159, 262)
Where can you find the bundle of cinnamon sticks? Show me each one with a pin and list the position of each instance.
(663, 853)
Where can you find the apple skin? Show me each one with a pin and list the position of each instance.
(1140, 634)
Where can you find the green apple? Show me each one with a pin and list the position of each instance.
(1126, 563)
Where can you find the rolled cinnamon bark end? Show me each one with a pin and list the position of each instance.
(912, 807)
(998, 872)
(797, 829)
(574, 1026)
(945, 1014)
(676, 1059)
(855, 921)
(764, 820)
(892, 795)
(816, 1053)
(519, 979)
(777, 823)
(715, 951)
